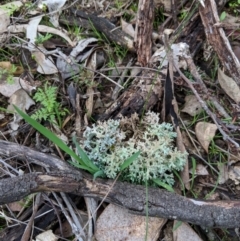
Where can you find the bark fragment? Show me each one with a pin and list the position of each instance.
(143, 32)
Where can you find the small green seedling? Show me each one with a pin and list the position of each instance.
(42, 38)
(8, 73)
(51, 109)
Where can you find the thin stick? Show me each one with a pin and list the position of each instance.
(205, 107)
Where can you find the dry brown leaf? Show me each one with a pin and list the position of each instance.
(16, 206)
(117, 224)
(234, 174)
(23, 101)
(66, 230)
(201, 170)
(8, 66)
(192, 105)
(127, 28)
(205, 132)
(45, 65)
(229, 86)
(223, 174)
(8, 89)
(187, 142)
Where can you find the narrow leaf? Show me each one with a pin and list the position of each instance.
(84, 157)
(164, 185)
(98, 174)
(82, 167)
(48, 134)
(177, 225)
(129, 161)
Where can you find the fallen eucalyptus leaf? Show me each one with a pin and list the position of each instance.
(23, 101)
(205, 133)
(127, 28)
(45, 64)
(8, 89)
(40, 28)
(192, 105)
(229, 86)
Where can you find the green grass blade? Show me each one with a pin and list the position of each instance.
(177, 225)
(82, 167)
(129, 161)
(164, 185)
(48, 134)
(84, 157)
(98, 174)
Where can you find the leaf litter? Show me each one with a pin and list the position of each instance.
(77, 63)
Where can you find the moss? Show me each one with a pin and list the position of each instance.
(108, 144)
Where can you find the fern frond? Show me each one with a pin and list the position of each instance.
(47, 96)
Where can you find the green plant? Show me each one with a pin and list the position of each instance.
(214, 153)
(51, 109)
(109, 143)
(158, 17)
(198, 117)
(100, 36)
(85, 164)
(183, 14)
(8, 73)
(82, 161)
(188, 75)
(120, 51)
(9, 8)
(222, 16)
(42, 38)
(119, 4)
(234, 5)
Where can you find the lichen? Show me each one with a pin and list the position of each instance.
(108, 144)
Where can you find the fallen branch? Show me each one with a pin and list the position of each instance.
(161, 203)
(102, 25)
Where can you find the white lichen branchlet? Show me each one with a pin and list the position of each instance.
(108, 144)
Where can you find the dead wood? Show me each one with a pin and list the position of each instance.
(144, 92)
(133, 197)
(16, 232)
(143, 31)
(218, 40)
(102, 25)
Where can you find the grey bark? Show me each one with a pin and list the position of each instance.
(161, 203)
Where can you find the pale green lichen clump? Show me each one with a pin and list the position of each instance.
(108, 144)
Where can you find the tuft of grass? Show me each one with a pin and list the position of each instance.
(82, 160)
(159, 17)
